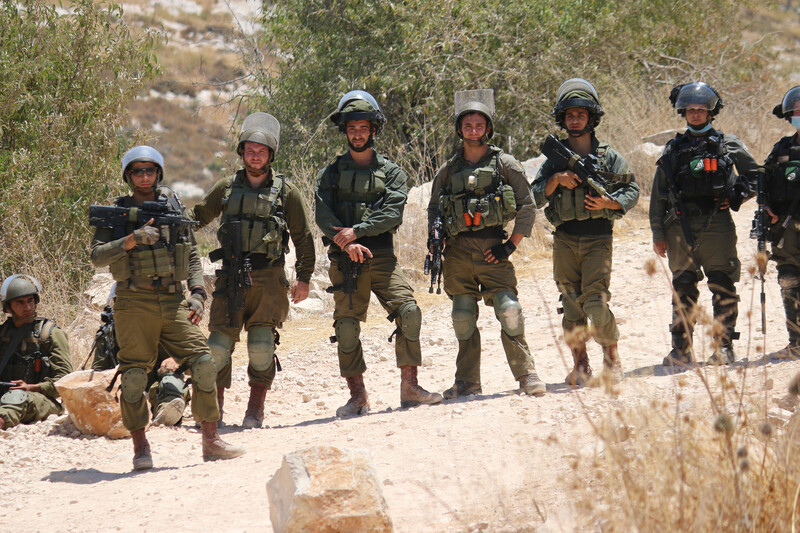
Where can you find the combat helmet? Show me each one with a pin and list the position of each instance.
(358, 105)
(17, 286)
(577, 92)
(475, 101)
(261, 128)
(696, 93)
(142, 154)
(790, 103)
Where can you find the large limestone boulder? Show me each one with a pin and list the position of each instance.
(327, 489)
(91, 408)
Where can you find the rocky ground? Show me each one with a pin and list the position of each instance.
(495, 462)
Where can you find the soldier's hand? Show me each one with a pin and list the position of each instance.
(660, 247)
(596, 203)
(168, 365)
(773, 218)
(498, 252)
(299, 291)
(344, 237)
(196, 306)
(358, 252)
(568, 179)
(726, 203)
(147, 234)
(27, 387)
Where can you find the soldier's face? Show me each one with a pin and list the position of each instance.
(142, 176)
(256, 155)
(696, 116)
(473, 127)
(23, 309)
(358, 132)
(576, 118)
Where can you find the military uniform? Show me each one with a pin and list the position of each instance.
(41, 357)
(370, 199)
(490, 193)
(269, 214)
(582, 243)
(701, 193)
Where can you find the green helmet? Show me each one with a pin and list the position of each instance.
(475, 101)
(261, 128)
(17, 286)
(358, 105)
(577, 92)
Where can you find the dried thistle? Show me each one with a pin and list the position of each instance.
(723, 424)
(766, 429)
(650, 267)
(744, 464)
(741, 453)
(794, 385)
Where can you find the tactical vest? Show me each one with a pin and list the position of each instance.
(164, 263)
(31, 360)
(783, 176)
(261, 212)
(703, 170)
(476, 198)
(358, 191)
(570, 204)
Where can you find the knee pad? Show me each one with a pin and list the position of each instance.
(347, 333)
(410, 320)
(170, 386)
(204, 373)
(15, 397)
(261, 347)
(595, 307)
(788, 277)
(221, 347)
(133, 384)
(465, 316)
(508, 311)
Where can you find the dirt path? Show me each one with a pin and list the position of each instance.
(498, 462)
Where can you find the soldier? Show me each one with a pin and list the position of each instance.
(476, 193)
(34, 354)
(360, 199)
(782, 201)
(149, 264)
(584, 222)
(694, 189)
(260, 210)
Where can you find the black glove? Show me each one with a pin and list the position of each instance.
(739, 193)
(503, 250)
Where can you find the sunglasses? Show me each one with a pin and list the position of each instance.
(139, 172)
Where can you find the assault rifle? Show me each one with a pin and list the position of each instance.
(117, 219)
(760, 231)
(350, 270)
(586, 168)
(677, 211)
(236, 269)
(433, 261)
(105, 347)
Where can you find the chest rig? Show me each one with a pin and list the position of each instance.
(783, 176)
(358, 191)
(703, 169)
(31, 359)
(475, 198)
(261, 215)
(165, 263)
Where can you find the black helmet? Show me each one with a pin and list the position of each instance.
(696, 93)
(790, 103)
(577, 92)
(358, 105)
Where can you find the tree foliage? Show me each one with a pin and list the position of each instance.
(413, 54)
(64, 79)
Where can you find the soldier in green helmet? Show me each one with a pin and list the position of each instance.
(476, 193)
(150, 264)
(261, 209)
(694, 189)
(584, 221)
(360, 199)
(34, 354)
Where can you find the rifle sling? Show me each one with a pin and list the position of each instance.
(16, 339)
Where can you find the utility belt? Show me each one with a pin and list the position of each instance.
(163, 284)
(259, 262)
(493, 232)
(700, 207)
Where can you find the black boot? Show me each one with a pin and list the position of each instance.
(725, 303)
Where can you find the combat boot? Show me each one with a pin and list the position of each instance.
(581, 372)
(790, 351)
(723, 355)
(462, 388)
(531, 385)
(681, 354)
(214, 447)
(612, 364)
(411, 394)
(254, 416)
(169, 413)
(142, 460)
(358, 404)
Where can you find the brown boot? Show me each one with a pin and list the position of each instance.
(358, 404)
(214, 447)
(531, 385)
(581, 373)
(411, 394)
(142, 460)
(612, 364)
(254, 416)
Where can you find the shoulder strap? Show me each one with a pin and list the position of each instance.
(13, 344)
(44, 327)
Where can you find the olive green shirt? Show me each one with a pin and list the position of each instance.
(57, 349)
(295, 214)
(745, 165)
(384, 219)
(513, 174)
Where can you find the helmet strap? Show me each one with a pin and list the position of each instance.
(367, 145)
(256, 172)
